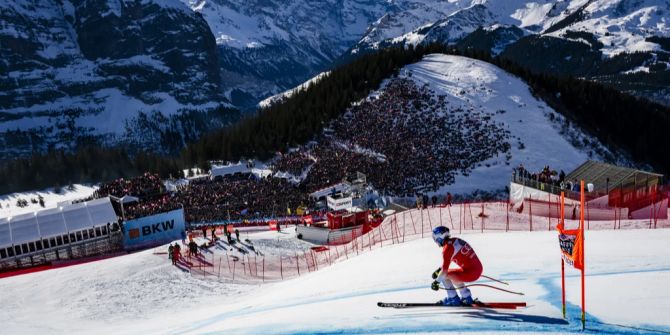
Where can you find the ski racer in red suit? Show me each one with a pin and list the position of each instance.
(469, 268)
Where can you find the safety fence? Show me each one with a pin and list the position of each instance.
(246, 264)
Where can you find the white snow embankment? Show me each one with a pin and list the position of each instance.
(627, 276)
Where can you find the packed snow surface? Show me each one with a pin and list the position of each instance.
(50, 196)
(626, 279)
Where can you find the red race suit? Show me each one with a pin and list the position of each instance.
(460, 252)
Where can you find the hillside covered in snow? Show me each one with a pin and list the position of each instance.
(445, 123)
(142, 293)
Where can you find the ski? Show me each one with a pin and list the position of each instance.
(477, 304)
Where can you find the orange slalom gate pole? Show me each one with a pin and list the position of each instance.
(581, 228)
(563, 284)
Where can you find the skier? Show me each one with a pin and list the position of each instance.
(170, 249)
(470, 268)
(237, 234)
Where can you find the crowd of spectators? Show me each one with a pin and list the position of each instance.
(546, 175)
(159, 204)
(406, 139)
(239, 198)
(145, 185)
(294, 163)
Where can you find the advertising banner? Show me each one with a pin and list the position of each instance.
(153, 230)
(339, 204)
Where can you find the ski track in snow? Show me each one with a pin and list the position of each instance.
(549, 283)
(136, 294)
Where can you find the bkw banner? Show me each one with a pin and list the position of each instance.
(153, 230)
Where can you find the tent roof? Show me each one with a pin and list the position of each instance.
(51, 222)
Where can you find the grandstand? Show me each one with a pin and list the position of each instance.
(629, 192)
(606, 177)
(66, 232)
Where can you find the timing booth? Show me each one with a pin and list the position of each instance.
(30, 233)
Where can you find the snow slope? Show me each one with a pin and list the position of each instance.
(141, 293)
(51, 199)
(477, 85)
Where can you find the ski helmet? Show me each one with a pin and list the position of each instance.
(440, 235)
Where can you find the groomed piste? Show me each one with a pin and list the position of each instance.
(627, 275)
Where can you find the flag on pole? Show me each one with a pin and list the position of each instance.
(571, 242)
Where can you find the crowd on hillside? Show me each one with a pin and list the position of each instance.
(406, 140)
(238, 198)
(160, 204)
(145, 185)
(294, 162)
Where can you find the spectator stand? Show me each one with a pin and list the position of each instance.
(613, 192)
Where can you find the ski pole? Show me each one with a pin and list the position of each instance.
(495, 280)
(483, 285)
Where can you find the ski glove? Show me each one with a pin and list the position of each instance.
(436, 273)
(435, 286)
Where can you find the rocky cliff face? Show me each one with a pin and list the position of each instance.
(71, 69)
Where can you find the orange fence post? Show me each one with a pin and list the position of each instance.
(530, 211)
(461, 212)
(481, 215)
(421, 211)
(581, 228)
(472, 218)
(412, 218)
(441, 222)
(562, 223)
(550, 213)
(507, 212)
(297, 264)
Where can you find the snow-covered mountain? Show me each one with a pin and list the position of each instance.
(589, 38)
(271, 46)
(75, 68)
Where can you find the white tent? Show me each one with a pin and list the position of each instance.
(48, 223)
(230, 169)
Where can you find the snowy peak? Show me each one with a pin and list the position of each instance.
(89, 68)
